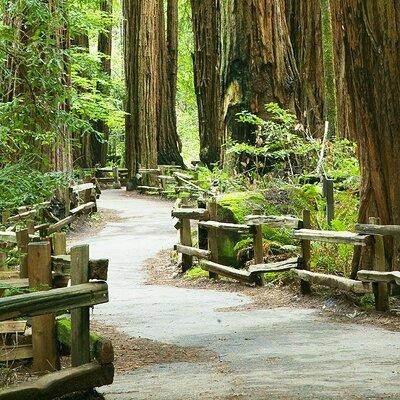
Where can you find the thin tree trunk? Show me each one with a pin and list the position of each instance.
(100, 144)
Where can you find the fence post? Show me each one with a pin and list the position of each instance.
(22, 242)
(5, 215)
(212, 235)
(59, 243)
(305, 287)
(258, 248)
(30, 225)
(381, 290)
(330, 200)
(67, 200)
(185, 234)
(80, 321)
(45, 355)
(117, 182)
(202, 233)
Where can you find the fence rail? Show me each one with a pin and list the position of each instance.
(368, 236)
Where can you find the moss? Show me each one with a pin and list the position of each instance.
(234, 207)
(195, 273)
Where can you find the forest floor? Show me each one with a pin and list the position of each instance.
(178, 339)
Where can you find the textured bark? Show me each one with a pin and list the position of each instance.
(305, 26)
(18, 82)
(207, 66)
(100, 145)
(370, 31)
(345, 119)
(258, 65)
(243, 60)
(168, 143)
(142, 84)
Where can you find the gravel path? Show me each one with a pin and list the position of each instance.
(260, 354)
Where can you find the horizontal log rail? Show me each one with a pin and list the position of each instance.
(378, 276)
(241, 228)
(82, 187)
(223, 270)
(61, 383)
(274, 221)
(193, 251)
(279, 266)
(191, 213)
(84, 207)
(333, 281)
(385, 230)
(332, 237)
(53, 301)
(98, 269)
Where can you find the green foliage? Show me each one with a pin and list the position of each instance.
(22, 185)
(37, 103)
(195, 273)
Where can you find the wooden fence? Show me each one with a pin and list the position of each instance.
(368, 236)
(49, 270)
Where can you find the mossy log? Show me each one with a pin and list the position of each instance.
(100, 349)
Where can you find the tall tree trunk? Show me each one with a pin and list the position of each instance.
(370, 31)
(345, 118)
(142, 84)
(207, 78)
(305, 27)
(243, 60)
(168, 143)
(100, 144)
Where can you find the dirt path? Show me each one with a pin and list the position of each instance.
(258, 354)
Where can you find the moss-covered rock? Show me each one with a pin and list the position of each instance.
(234, 207)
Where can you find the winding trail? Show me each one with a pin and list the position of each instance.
(263, 354)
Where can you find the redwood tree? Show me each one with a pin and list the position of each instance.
(305, 28)
(243, 60)
(370, 31)
(99, 145)
(142, 83)
(168, 143)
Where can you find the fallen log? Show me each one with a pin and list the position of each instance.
(57, 384)
(335, 282)
(100, 349)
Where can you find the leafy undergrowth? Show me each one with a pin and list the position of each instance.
(20, 185)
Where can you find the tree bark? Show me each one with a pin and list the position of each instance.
(305, 27)
(100, 144)
(207, 79)
(370, 32)
(142, 84)
(168, 143)
(243, 60)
